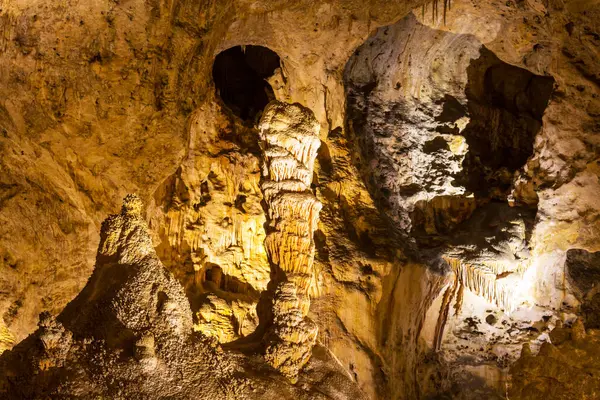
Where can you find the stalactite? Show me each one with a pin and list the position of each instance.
(488, 280)
(434, 10)
(443, 12)
(459, 298)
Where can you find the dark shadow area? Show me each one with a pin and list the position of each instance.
(505, 105)
(582, 270)
(489, 229)
(91, 314)
(240, 75)
(225, 285)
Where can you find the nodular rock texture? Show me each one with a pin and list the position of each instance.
(129, 334)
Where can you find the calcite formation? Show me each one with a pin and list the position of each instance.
(209, 223)
(497, 282)
(129, 334)
(6, 338)
(456, 176)
(135, 295)
(221, 318)
(493, 265)
(289, 140)
(566, 366)
(291, 339)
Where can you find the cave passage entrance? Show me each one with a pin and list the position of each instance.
(240, 75)
(506, 105)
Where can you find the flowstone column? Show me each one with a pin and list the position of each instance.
(289, 136)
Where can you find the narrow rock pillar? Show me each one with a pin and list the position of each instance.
(289, 135)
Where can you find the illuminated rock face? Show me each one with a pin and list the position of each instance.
(219, 318)
(289, 140)
(207, 223)
(6, 338)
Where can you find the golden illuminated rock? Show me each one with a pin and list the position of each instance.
(436, 210)
(132, 324)
(291, 339)
(226, 320)
(290, 139)
(6, 338)
(562, 370)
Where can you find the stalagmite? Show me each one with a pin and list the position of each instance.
(130, 288)
(526, 350)
(129, 335)
(290, 139)
(578, 330)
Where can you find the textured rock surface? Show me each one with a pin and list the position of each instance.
(129, 334)
(582, 270)
(566, 368)
(457, 172)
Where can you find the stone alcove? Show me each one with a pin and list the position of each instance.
(240, 75)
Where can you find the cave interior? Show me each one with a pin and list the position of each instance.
(336, 201)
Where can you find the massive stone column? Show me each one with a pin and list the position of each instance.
(289, 136)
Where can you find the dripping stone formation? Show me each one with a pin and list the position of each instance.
(290, 140)
(132, 323)
(379, 200)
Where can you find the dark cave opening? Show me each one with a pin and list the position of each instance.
(240, 75)
(505, 104)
